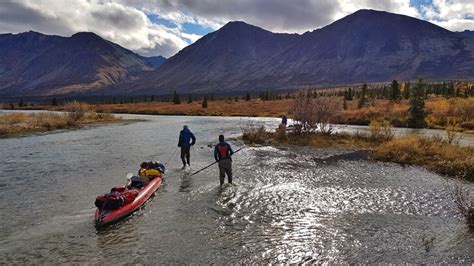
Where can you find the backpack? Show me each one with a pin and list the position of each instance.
(223, 150)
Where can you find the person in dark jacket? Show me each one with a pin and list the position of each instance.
(186, 140)
(284, 120)
(223, 154)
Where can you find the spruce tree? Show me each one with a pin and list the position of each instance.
(247, 96)
(176, 99)
(344, 104)
(204, 102)
(54, 102)
(362, 97)
(190, 98)
(406, 91)
(395, 91)
(417, 106)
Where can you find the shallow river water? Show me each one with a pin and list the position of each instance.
(289, 205)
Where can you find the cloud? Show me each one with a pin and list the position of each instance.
(125, 25)
(453, 15)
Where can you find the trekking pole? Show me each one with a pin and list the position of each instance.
(211, 164)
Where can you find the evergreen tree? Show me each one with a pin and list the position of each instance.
(114, 101)
(247, 96)
(451, 91)
(152, 98)
(176, 99)
(212, 97)
(204, 102)
(21, 103)
(344, 104)
(54, 102)
(417, 106)
(362, 97)
(395, 91)
(236, 99)
(406, 91)
(190, 98)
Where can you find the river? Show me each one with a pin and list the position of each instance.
(289, 204)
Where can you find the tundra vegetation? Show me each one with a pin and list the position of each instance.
(436, 105)
(75, 114)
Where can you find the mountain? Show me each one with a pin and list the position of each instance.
(467, 33)
(155, 61)
(366, 46)
(370, 46)
(32, 63)
(214, 58)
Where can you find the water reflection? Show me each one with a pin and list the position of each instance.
(288, 205)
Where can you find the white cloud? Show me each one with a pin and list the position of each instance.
(190, 37)
(394, 6)
(453, 15)
(125, 25)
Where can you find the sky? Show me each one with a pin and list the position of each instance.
(163, 27)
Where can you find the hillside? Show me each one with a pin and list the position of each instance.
(34, 63)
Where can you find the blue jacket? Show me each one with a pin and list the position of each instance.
(218, 156)
(185, 136)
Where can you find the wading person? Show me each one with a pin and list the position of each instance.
(222, 153)
(284, 120)
(186, 140)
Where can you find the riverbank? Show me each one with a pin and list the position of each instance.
(441, 113)
(432, 153)
(75, 116)
(251, 108)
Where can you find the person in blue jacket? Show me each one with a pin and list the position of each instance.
(223, 154)
(186, 140)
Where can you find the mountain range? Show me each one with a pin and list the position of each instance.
(366, 46)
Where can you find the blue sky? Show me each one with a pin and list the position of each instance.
(163, 27)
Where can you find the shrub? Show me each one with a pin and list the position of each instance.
(255, 134)
(314, 113)
(76, 110)
(465, 205)
(432, 153)
(452, 130)
(380, 130)
(280, 132)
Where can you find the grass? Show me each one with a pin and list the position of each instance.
(440, 111)
(433, 153)
(251, 108)
(76, 114)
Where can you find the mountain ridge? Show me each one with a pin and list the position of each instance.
(366, 46)
(39, 64)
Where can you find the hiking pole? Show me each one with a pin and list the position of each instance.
(212, 164)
